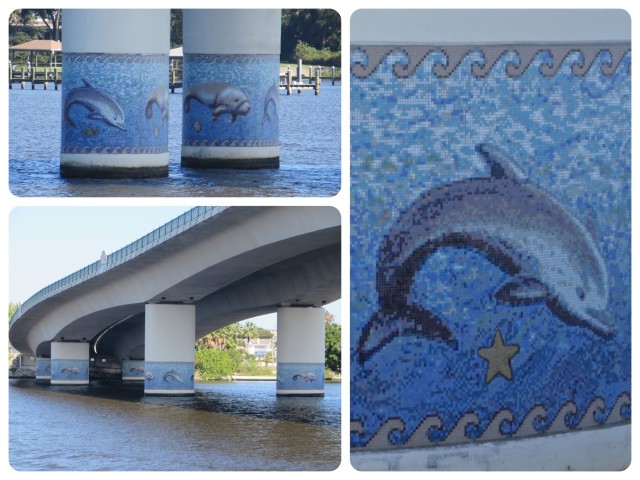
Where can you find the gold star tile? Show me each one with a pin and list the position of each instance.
(498, 357)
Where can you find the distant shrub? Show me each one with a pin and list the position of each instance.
(312, 55)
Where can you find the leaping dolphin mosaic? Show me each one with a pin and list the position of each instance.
(550, 256)
(100, 105)
(159, 96)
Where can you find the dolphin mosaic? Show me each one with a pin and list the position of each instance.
(221, 98)
(551, 257)
(272, 97)
(306, 376)
(68, 371)
(173, 376)
(100, 106)
(159, 96)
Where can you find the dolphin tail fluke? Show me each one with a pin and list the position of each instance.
(385, 326)
(148, 111)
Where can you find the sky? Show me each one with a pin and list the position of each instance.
(49, 243)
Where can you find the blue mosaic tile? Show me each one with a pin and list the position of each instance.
(490, 242)
(231, 100)
(300, 376)
(115, 104)
(167, 376)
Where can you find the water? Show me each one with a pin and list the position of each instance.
(309, 154)
(224, 426)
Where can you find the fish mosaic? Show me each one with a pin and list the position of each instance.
(490, 242)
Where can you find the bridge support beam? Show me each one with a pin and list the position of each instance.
(231, 89)
(169, 339)
(115, 100)
(69, 363)
(300, 352)
(43, 368)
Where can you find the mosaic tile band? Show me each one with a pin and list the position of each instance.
(490, 244)
(169, 377)
(69, 371)
(451, 57)
(115, 104)
(231, 100)
(43, 368)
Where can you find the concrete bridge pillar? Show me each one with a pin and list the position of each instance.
(69, 363)
(231, 89)
(169, 340)
(115, 101)
(300, 352)
(43, 368)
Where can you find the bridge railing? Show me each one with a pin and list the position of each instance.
(161, 234)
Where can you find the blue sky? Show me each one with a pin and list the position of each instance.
(48, 243)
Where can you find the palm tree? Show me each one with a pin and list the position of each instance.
(249, 331)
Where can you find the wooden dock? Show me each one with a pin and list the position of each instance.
(24, 75)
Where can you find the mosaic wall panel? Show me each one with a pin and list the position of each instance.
(490, 244)
(43, 368)
(231, 100)
(69, 370)
(169, 376)
(115, 104)
(300, 376)
(133, 369)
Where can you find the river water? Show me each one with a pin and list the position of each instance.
(224, 426)
(310, 136)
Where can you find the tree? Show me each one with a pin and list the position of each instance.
(13, 307)
(332, 343)
(176, 27)
(318, 28)
(249, 331)
(52, 18)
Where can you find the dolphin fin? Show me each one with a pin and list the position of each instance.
(95, 116)
(88, 83)
(522, 291)
(500, 164)
(410, 319)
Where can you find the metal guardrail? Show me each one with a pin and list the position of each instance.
(161, 234)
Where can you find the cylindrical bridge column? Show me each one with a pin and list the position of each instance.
(231, 89)
(69, 363)
(115, 98)
(300, 351)
(169, 346)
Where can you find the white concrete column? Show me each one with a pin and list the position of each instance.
(231, 88)
(115, 98)
(43, 368)
(169, 349)
(69, 363)
(132, 369)
(300, 351)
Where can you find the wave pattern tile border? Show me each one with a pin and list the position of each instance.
(490, 244)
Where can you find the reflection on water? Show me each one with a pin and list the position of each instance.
(224, 426)
(309, 154)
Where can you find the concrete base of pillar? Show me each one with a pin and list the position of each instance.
(243, 158)
(138, 166)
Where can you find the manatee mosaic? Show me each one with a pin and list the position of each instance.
(300, 376)
(231, 100)
(491, 242)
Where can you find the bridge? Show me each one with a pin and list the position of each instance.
(147, 303)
